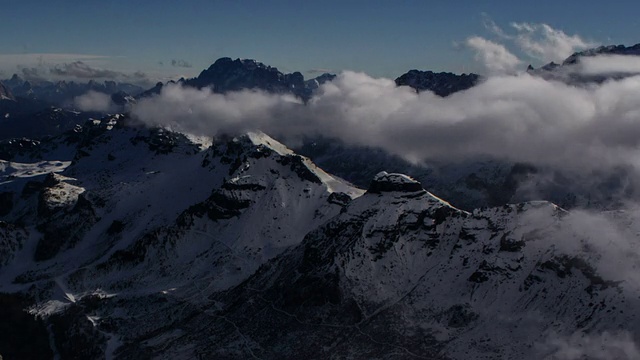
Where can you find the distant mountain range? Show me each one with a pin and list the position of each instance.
(62, 93)
(226, 74)
(468, 186)
(22, 100)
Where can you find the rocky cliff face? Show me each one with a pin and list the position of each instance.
(227, 74)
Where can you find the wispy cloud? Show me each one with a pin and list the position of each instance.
(539, 41)
(545, 43)
(31, 74)
(94, 101)
(181, 63)
(82, 70)
(490, 25)
(48, 58)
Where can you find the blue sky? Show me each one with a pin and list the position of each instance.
(381, 38)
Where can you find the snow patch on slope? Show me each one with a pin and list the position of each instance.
(10, 170)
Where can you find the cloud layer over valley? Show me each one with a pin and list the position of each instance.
(514, 117)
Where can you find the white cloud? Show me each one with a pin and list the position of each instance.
(539, 41)
(609, 241)
(609, 64)
(495, 57)
(545, 43)
(490, 25)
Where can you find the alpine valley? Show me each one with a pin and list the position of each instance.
(120, 240)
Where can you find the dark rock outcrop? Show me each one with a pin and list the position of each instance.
(442, 84)
(226, 75)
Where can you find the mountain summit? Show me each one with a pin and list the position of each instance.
(226, 74)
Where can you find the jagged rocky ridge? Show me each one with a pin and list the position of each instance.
(402, 274)
(226, 75)
(442, 84)
(110, 208)
(132, 243)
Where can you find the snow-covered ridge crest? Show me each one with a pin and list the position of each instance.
(403, 185)
(384, 182)
(260, 138)
(137, 210)
(333, 183)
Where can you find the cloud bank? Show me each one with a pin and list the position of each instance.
(517, 118)
(610, 64)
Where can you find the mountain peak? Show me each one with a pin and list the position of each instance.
(442, 84)
(388, 182)
(226, 75)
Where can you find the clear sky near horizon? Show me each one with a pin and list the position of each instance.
(167, 39)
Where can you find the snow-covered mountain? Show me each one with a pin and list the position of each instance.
(113, 210)
(128, 242)
(402, 274)
(475, 183)
(122, 241)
